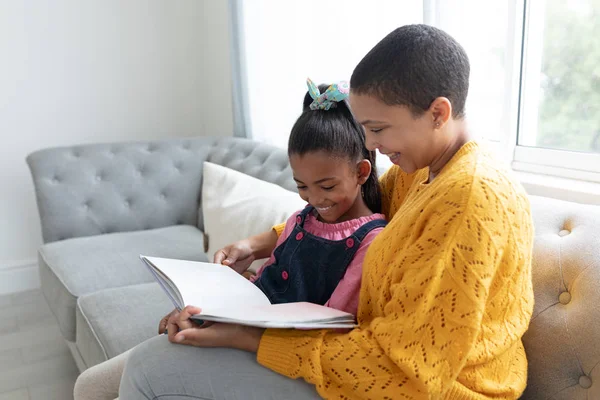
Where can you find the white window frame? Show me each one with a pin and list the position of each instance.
(528, 158)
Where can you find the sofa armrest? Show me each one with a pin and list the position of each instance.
(102, 188)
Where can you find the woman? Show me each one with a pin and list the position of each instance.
(446, 292)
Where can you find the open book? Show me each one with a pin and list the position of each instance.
(226, 296)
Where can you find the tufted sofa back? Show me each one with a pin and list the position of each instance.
(563, 340)
(93, 189)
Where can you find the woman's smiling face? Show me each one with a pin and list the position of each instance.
(409, 141)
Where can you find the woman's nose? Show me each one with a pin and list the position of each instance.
(370, 144)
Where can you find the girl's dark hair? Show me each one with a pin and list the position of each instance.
(335, 131)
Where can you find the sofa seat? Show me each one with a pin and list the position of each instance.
(75, 267)
(114, 320)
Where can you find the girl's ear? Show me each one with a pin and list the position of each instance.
(363, 170)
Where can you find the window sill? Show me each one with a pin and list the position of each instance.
(560, 188)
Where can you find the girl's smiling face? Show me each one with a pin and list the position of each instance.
(331, 184)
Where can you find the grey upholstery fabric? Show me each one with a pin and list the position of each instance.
(95, 189)
(115, 201)
(75, 267)
(114, 320)
(563, 340)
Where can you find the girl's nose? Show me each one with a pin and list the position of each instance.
(316, 200)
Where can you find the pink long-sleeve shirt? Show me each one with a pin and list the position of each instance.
(345, 295)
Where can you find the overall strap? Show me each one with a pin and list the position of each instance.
(364, 230)
(301, 218)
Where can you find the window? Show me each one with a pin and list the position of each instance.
(562, 96)
(286, 42)
(535, 69)
(559, 130)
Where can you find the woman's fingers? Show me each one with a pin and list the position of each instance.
(188, 311)
(162, 325)
(172, 326)
(221, 335)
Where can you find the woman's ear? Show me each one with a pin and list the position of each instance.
(363, 170)
(441, 111)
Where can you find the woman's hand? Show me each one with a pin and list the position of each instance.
(184, 331)
(162, 325)
(180, 320)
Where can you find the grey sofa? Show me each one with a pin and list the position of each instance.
(102, 205)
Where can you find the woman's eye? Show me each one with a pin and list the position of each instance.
(376, 130)
(301, 187)
(328, 188)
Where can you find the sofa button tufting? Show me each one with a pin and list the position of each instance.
(564, 298)
(564, 232)
(585, 381)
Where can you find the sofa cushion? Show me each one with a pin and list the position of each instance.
(75, 267)
(563, 340)
(114, 320)
(237, 206)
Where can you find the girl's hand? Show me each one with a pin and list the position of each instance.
(240, 255)
(216, 335)
(237, 256)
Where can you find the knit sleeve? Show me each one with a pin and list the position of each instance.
(386, 184)
(429, 320)
(279, 229)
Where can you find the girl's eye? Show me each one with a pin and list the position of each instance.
(328, 188)
(377, 130)
(301, 187)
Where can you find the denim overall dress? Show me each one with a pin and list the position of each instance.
(307, 267)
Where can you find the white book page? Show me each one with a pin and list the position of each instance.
(296, 313)
(209, 286)
(284, 325)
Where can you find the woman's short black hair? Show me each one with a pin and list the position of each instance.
(412, 66)
(335, 131)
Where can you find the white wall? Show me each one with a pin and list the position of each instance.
(83, 71)
(304, 50)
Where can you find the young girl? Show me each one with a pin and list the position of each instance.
(318, 256)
